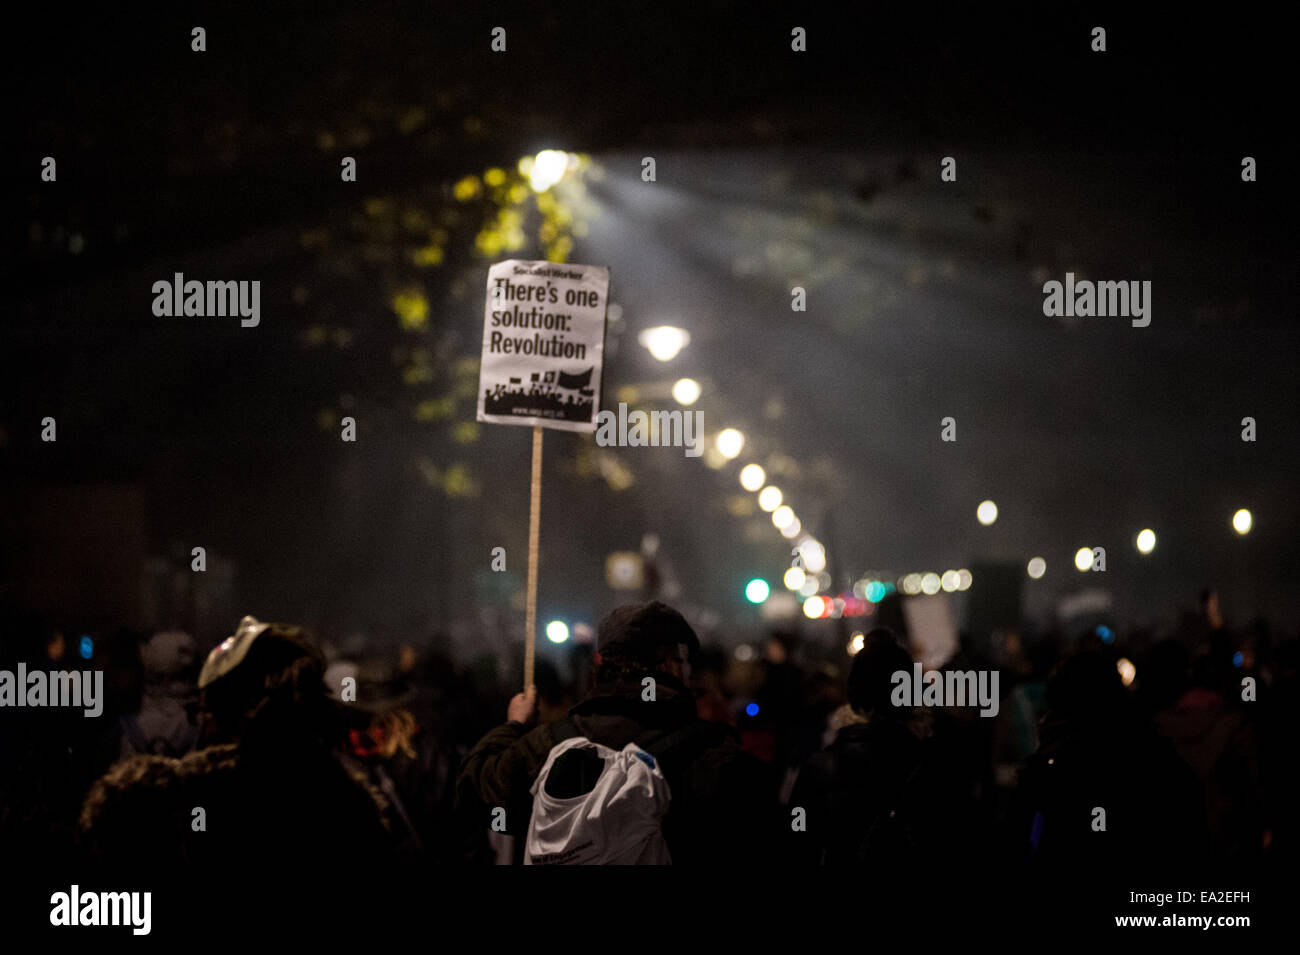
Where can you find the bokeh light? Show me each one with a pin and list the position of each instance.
(769, 499)
(987, 512)
(813, 554)
(548, 168)
(663, 342)
(814, 607)
(729, 442)
(756, 590)
(1037, 567)
(1146, 541)
(752, 477)
(1243, 521)
(557, 631)
(686, 391)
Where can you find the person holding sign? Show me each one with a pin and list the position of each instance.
(717, 794)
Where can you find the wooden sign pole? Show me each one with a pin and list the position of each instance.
(534, 524)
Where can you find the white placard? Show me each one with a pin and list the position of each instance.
(543, 344)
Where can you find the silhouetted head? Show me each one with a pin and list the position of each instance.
(642, 638)
(1162, 677)
(871, 679)
(266, 673)
(1085, 686)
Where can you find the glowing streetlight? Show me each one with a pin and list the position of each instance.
(813, 555)
(664, 341)
(548, 168)
(686, 391)
(729, 442)
(752, 477)
(814, 607)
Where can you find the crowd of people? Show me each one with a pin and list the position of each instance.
(796, 754)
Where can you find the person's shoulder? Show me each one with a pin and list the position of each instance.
(209, 761)
(136, 787)
(137, 773)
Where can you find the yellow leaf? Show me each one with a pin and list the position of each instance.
(412, 309)
(467, 189)
(429, 255)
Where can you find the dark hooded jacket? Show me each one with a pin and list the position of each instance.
(1153, 817)
(722, 809)
(289, 805)
(864, 796)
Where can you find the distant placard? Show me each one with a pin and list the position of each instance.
(933, 632)
(543, 344)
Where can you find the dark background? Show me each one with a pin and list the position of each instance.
(1122, 165)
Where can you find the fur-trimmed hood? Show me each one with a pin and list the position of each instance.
(228, 804)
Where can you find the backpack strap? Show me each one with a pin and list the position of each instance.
(686, 741)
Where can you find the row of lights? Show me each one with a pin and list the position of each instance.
(1127, 671)
(807, 585)
(665, 342)
(987, 513)
(931, 583)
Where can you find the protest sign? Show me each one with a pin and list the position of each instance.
(543, 354)
(543, 344)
